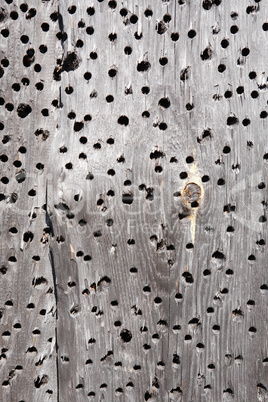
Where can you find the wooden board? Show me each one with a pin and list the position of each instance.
(134, 174)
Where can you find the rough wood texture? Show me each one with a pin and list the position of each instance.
(134, 162)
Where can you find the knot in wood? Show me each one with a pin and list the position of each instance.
(191, 193)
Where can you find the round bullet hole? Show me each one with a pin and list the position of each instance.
(123, 120)
(125, 335)
(234, 29)
(128, 50)
(191, 33)
(148, 13)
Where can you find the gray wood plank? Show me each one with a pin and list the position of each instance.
(151, 206)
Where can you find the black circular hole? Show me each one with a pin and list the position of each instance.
(9, 107)
(45, 112)
(71, 9)
(5, 180)
(252, 75)
(128, 50)
(112, 72)
(90, 30)
(167, 18)
(133, 270)
(69, 90)
(37, 68)
(175, 36)
(189, 159)
(221, 68)
(16, 87)
(22, 150)
(138, 36)
(45, 27)
(189, 246)
(254, 94)
(87, 117)
(24, 7)
(261, 185)
(145, 114)
(71, 115)
(262, 219)
(205, 179)
(24, 39)
(146, 289)
(228, 94)
(54, 16)
(148, 13)
(145, 90)
(162, 126)
(125, 335)
(183, 175)
(30, 52)
(112, 4)
(79, 43)
(158, 300)
(109, 98)
(123, 12)
(133, 19)
(39, 86)
(191, 33)
(91, 11)
(163, 61)
(123, 120)
(3, 158)
(93, 55)
(81, 24)
(43, 49)
(83, 140)
(240, 90)
(5, 33)
(210, 310)
(78, 126)
(224, 43)
(164, 102)
(14, 15)
(226, 149)
(234, 29)
(246, 122)
(207, 4)
(189, 106)
(158, 169)
(245, 51)
(87, 76)
(221, 182)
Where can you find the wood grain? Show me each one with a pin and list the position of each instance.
(125, 286)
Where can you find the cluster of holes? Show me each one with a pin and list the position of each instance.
(165, 103)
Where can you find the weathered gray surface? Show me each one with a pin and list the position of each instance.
(190, 282)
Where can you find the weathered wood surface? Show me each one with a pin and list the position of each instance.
(119, 281)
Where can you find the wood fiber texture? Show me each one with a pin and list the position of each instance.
(133, 195)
